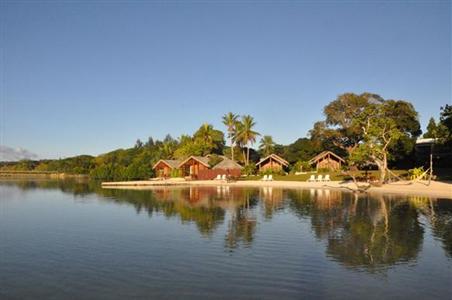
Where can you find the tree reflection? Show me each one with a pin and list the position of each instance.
(370, 232)
(439, 214)
(242, 225)
(192, 204)
(380, 234)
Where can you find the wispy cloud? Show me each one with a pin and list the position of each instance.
(14, 154)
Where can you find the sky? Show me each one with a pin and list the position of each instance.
(81, 77)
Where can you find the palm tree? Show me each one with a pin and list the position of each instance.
(267, 145)
(246, 135)
(230, 121)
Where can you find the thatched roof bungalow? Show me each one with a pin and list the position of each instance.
(163, 167)
(327, 160)
(273, 162)
(227, 164)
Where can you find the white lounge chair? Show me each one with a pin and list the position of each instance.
(218, 177)
(270, 177)
(223, 177)
(327, 177)
(319, 178)
(312, 178)
(265, 178)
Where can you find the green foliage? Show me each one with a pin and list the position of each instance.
(271, 171)
(246, 135)
(339, 128)
(206, 140)
(431, 129)
(382, 128)
(209, 139)
(267, 145)
(443, 129)
(214, 159)
(343, 127)
(230, 120)
(175, 173)
(187, 147)
(446, 117)
(301, 166)
(249, 169)
(415, 173)
(302, 149)
(354, 124)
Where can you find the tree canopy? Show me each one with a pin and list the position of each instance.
(364, 128)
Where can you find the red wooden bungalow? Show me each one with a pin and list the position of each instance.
(193, 165)
(272, 162)
(327, 160)
(164, 167)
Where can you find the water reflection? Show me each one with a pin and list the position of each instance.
(370, 232)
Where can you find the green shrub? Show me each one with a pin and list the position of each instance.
(272, 172)
(175, 173)
(249, 169)
(301, 166)
(416, 173)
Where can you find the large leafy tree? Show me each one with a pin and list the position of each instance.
(432, 128)
(436, 130)
(302, 149)
(339, 126)
(353, 121)
(210, 139)
(445, 121)
(167, 147)
(384, 125)
(406, 119)
(206, 140)
(187, 147)
(230, 120)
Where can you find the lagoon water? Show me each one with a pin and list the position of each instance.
(62, 239)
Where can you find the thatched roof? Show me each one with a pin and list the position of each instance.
(275, 157)
(172, 163)
(201, 159)
(323, 154)
(227, 163)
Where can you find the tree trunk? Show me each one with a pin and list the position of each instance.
(382, 166)
(232, 150)
(247, 155)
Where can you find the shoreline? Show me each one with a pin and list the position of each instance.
(435, 189)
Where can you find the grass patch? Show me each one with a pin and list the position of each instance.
(334, 176)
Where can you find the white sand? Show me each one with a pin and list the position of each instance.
(435, 189)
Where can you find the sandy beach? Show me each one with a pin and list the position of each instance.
(434, 189)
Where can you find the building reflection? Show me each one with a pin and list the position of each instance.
(272, 200)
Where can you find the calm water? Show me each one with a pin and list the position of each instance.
(74, 240)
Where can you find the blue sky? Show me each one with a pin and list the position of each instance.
(89, 77)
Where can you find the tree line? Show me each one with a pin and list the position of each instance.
(366, 129)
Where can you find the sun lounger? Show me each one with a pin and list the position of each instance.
(270, 177)
(223, 177)
(312, 178)
(218, 177)
(319, 178)
(265, 178)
